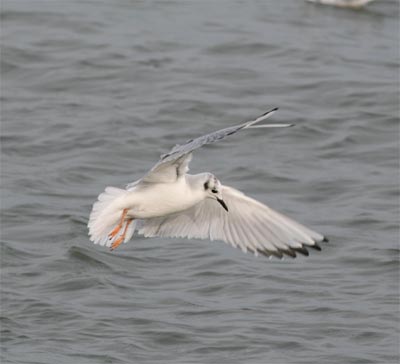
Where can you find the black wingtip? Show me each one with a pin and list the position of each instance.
(302, 251)
(290, 253)
(316, 247)
(269, 111)
(325, 239)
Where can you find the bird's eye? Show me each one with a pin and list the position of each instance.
(214, 191)
(206, 186)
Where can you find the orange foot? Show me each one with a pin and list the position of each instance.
(118, 241)
(119, 226)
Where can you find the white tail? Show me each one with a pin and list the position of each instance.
(105, 216)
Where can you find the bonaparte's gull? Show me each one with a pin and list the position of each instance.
(168, 202)
(355, 4)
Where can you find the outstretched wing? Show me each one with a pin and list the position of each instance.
(249, 225)
(175, 163)
(193, 144)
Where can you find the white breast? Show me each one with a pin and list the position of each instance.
(162, 199)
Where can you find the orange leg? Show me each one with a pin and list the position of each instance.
(117, 242)
(119, 226)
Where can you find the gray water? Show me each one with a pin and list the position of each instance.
(93, 92)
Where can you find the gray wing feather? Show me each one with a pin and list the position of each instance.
(248, 225)
(194, 144)
(176, 162)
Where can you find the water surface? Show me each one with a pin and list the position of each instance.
(93, 92)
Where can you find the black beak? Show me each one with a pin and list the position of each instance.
(222, 203)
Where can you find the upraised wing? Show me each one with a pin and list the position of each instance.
(175, 163)
(249, 225)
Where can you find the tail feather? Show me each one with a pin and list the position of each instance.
(130, 231)
(105, 216)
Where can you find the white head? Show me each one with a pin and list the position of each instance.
(212, 189)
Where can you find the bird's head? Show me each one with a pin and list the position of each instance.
(212, 189)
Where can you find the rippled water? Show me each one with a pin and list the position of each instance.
(93, 92)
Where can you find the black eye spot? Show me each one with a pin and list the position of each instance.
(214, 191)
(206, 186)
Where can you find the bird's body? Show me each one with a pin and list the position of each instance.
(169, 202)
(163, 198)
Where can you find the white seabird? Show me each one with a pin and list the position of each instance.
(169, 202)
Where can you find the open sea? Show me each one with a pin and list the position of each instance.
(92, 92)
